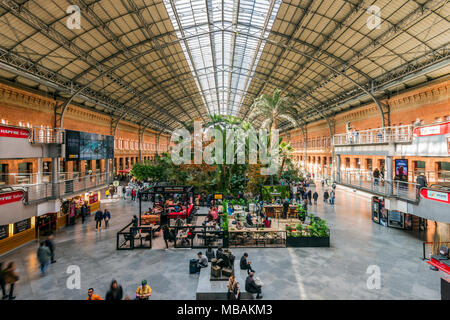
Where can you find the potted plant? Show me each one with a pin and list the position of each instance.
(316, 234)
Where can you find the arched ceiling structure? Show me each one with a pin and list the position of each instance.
(161, 63)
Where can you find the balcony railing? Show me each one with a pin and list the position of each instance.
(47, 135)
(46, 191)
(408, 191)
(397, 134)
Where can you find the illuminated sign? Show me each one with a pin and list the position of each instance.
(11, 132)
(435, 195)
(11, 197)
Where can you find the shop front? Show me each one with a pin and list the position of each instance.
(17, 234)
(71, 207)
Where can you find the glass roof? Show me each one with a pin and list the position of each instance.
(222, 63)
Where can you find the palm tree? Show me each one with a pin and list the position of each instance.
(273, 108)
(285, 151)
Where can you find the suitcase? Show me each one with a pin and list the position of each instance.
(226, 272)
(193, 266)
(216, 271)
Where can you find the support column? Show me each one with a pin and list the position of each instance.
(389, 175)
(338, 168)
(55, 177)
(39, 170)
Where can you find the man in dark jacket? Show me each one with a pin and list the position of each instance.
(51, 245)
(84, 212)
(315, 197)
(115, 291)
(309, 194)
(245, 264)
(325, 196)
(251, 286)
(98, 219)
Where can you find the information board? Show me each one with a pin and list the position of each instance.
(21, 226)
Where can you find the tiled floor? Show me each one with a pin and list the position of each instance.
(339, 272)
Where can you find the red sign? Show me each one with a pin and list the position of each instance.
(11, 132)
(11, 197)
(93, 198)
(441, 196)
(432, 130)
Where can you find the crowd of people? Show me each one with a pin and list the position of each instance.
(115, 292)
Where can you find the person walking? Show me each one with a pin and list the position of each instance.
(106, 217)
(124, 192)
(309, 194)
(115, 291)
(51, 245)
(84, 212)
(332, 196)
(166, 236)
(315, 197)
(44, 254)
(325, 196)
(3, 282)
(98, 219)
(133, 195)
(11, 277)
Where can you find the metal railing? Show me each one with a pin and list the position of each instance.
(46, 191)
(400, 189)
(397, 134)
(47, 135)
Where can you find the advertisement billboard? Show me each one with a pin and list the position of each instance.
(401, 169)
(88, 146)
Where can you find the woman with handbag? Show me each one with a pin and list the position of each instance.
(11, 277)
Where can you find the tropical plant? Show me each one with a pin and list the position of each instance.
(273, 108)
(285, 151)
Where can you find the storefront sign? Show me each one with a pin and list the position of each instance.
(11, 132)
(4, 231)
(435, 195)
(438, 129)
(21, 226)
(93, 198)
(11, 197)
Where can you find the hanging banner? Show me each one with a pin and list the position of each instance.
(11, 132)
(10, 197)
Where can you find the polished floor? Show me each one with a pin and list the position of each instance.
(339, 272)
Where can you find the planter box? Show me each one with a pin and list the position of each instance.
(307, 242)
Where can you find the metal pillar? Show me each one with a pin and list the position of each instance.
(55, 177)
(338, 168)
(389, 175)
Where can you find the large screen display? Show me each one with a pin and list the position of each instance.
(88, 146)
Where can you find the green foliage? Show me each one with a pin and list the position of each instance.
(267, 190)
(225, 218)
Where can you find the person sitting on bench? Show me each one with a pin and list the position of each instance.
(210, 253)
(245, 264)
(251, 286)
(202, 261)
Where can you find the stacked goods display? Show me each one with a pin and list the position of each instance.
(313, 232)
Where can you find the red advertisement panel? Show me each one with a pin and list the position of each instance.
(11, 197)
(11, 132)
(432, 130)
(93, 198)
(440, 196)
